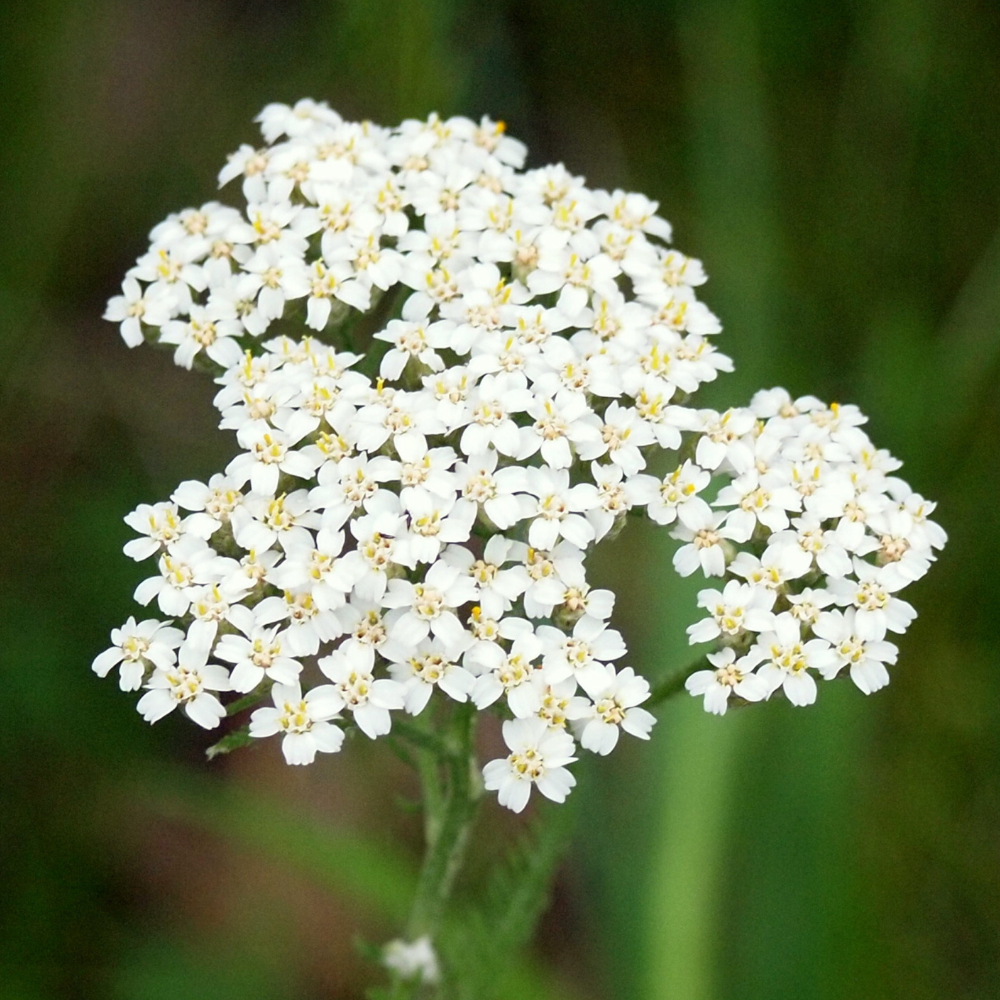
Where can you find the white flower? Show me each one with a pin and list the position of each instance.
(616, 704)
(213, 504)
(350, 484)
(303, 720)
(189, 683)
(573, 278)
(675, 496)
(495, 490)
(406, 418)
(782, 561)
(737, 608)
(621, 435)
(560, 705)
(134, 307)
(729, 676)
(830, 556)
(160, 523)
(371, 562)
(431, 664)
(356, 690)
(490, 405)
(543, 325)
(872, 596)
(858, 642)
(905, 541)
(554, 577)
(558, 508)
(431, 523)
(335, 280)
(137, 647)
(187, 562)
(172, 274)
(315, 565)
(724, 440)
(705, 534)
(539, 756)
(787, 659)
(808, 604)
(500, 672)
(413, 340)
(450, 390)
(497, 588)
(559, 425)
(582, 654)
(425, 469)
(412, 959)
(256, 654)
(282, 275)
(203, 332)
(213, 604)
(758, 499)
(309, 625)
(260, 521)
(614, 497)
(269, 452)
(428, 606)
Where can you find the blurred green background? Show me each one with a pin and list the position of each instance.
(837, 167)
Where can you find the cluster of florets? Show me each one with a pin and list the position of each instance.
(498, 358)
(815, 538)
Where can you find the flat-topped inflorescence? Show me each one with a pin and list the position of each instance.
(448, 377)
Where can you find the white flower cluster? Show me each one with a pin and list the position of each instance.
(413, 960)
(496, 357)
(816, 537)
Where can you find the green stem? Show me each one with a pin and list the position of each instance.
(673, 683)
(249, 700)
(448, 773)
(448, 833)
(421, 737)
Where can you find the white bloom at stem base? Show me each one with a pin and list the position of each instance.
(303, 720)
(412, 959)
(538, 756)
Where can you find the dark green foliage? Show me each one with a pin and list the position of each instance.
(483, 940)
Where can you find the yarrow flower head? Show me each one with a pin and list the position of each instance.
(448, 376)
(821, 537)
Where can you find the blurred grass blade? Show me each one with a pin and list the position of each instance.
(372, 874)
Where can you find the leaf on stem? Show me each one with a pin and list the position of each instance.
(229, 743)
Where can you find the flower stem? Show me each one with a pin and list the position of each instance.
(449, 821)
(673, 683)
(449, 776)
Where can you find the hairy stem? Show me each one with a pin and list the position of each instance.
(673, 683)
(449, 778)
(448, 831)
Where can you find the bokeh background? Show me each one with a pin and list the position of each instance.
(837, 166)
